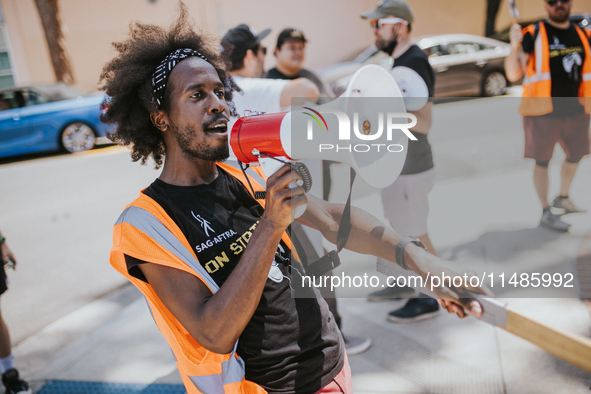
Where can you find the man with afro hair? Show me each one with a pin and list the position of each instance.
(214, 263)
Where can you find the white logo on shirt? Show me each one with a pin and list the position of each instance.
(571, 62)
(556, 44)
(204, 224)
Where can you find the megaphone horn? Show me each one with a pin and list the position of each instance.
(366, 128)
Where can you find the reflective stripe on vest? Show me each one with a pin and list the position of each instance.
(150, 225)
(542, 71)
(232, 372)
(538, 77)
(146, 222)
(585, 88)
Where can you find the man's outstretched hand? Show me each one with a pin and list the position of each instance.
(459, 300)
(461, 306)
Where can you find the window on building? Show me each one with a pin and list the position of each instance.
(6, 70)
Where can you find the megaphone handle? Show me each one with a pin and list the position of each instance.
(298, 167)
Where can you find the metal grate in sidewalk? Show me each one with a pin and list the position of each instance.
(75, 387)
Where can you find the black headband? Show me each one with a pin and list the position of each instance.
(160, 76)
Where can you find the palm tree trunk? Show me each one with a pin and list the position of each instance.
(50, 18)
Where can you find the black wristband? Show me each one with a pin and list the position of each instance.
(400, 250)
(2, 239)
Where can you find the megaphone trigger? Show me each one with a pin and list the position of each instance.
(271, 164)
(299, 167)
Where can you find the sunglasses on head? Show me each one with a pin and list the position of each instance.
(378, 23)
(554, 2)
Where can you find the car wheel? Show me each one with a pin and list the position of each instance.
(77, 137)
(494, 84)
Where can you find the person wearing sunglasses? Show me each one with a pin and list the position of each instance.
(405, 201)
(554, 57)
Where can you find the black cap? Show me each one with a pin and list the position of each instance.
(240, 39)
(290, 35)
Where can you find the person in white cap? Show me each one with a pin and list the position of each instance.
(405, 201)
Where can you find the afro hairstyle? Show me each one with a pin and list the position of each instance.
(127, 81)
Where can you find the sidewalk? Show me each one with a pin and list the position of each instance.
(114, 340)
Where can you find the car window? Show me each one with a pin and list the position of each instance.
(433, 51)
(458, 48)
(4, 104)
(7, 100)
(486, 47)
(35, 98)
(59, 91)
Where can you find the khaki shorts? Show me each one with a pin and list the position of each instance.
(543, 132)
(406, 203)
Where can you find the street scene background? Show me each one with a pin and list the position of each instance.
(73, 318)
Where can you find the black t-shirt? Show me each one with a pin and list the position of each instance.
(419, 157)
(290, 344)
(276, 74)
(567, 55)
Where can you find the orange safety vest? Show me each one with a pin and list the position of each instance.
(537, 82)
(144, 231)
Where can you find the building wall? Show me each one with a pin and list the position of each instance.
(333, 27)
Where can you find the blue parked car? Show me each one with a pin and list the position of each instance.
(48, 118)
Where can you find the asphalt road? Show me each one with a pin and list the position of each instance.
(57, 215)
(57, 211)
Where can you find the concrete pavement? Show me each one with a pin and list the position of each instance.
(476, 221)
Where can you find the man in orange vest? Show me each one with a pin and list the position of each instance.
(556, 99)
(214, 263)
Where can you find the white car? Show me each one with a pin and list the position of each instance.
(464, 65)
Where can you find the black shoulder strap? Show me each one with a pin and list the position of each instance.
(331, 260)
(345, 225)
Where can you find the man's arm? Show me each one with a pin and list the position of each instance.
(514, 62)
(298, 88)
(424, 119)
(370, 236)
(216, 321)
